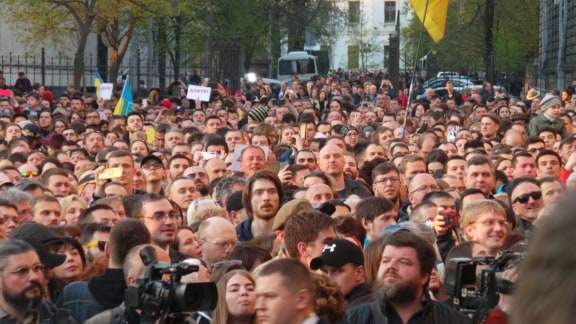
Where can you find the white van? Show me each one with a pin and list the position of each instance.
(302, 64)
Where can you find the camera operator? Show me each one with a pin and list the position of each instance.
(133, 268)
(22, 275)
(85, 299)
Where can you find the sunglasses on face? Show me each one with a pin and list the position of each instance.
(28, 174)
(536, 195)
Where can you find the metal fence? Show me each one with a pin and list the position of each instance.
(58, 71)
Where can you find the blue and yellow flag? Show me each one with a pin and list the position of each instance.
(432, 13)
(97, 81)
(125, 104)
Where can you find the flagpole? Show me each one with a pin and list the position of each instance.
(411, 90)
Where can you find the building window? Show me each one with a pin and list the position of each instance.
(389, 11)
(353, 56)
(353, 12)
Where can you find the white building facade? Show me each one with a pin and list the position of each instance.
(363, 40)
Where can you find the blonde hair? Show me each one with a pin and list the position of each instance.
(68, 200)
(472, 212)
(205, 213)
(221, 311)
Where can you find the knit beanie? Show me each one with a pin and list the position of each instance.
(549, 101)
(258, 114)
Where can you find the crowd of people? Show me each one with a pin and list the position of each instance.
(334, 200)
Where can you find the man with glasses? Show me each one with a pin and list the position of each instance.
(386, 183)
(22, 275)
(159, 216)
(526, 200)
(484, 222)
(217, 238)
(420, 185)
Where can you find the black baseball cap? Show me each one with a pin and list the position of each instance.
(150, 158)
(40, 237)
(337, 253)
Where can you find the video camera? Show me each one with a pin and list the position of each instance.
(476, 295)
(157, 300)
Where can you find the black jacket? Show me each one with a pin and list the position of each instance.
(360, 294)
(244, 230)
(380, 312)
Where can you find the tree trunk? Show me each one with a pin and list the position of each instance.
(161, 56)
(297, 28)
(79, 57)
(177, 45)
(489, 40)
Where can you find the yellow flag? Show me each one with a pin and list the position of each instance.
(435, 20)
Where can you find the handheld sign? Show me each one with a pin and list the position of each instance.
(198, 93)
(105, 91)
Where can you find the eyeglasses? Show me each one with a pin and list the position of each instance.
(429, 188)
(153, 166)
(161, 217)
(222, 244)
(536, 195)
(99, 244)
(25, 272)
(387, 179)
(28, 174)
(196, 175)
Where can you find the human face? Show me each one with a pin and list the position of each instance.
(22, 281)
(276, 303)
(529, 209)
(347, 276)
(139, 149)
(213, 125)
(548, 138)
(414, 168)
(161, 220)
(535, 148)
(60, 185)
(374, 151)
(490, 231)
(551, 192)
(387, 185)
(72, 267)
(232, 138)
(253, 160)
(506, 167)
(318, 194)
(307, 159)
(548, 166)
(11, 219)
(183, 192)
(553, 112)
(45, 120)
(94, 143)
(525, 167)
(134, 123)
(105, 217)
(73, 212)
(188, 244)
(385, 137)
(128, 170)
(400, 274)
(265, 199)
(419, 186)
(47, 213)
(177, 167)
(480, 177)
(173, 138)
(12, 132)
(331, 160)
(488, 127)
(375, 228)
(350, 166)
(218, 243)
(216, 168)
(450, 149)
(240, 296)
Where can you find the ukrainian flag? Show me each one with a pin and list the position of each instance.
(125, 104)
(432, 14)
(97, 81)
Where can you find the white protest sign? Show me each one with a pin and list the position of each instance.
(198, 93)
(105, 91)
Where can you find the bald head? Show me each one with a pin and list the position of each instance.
(331, 160)
(218, 238)
(133, 266)
(513, 138)
(216, 168)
